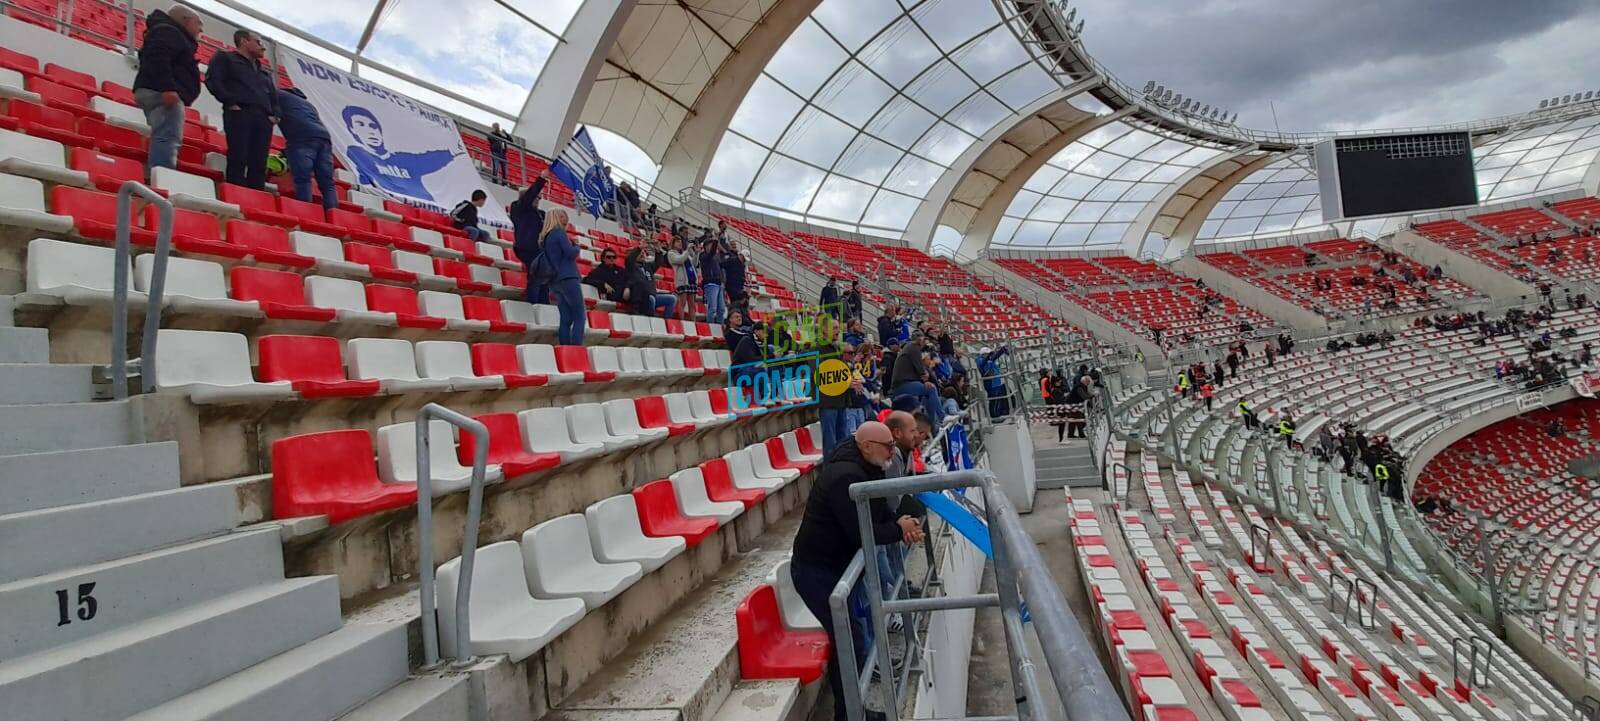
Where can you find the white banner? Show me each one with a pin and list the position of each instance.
(407, 150)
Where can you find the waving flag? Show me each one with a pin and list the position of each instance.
(579, 167)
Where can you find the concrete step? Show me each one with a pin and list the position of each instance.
(315, 682)
(33, 481)
(114, 675)
(45, 427)
(24, 345)
(427, 698)
(54, 539)
(7, 305)
(760, 701)
(45, 383)
(45, 611)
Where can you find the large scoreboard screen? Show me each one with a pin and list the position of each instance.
(1370, 176)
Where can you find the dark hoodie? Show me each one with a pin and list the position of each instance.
(166, 60)
(829, 535)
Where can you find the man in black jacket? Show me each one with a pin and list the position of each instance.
(852, 301)
(830, 536)
(607, 277)
(168, 80)
(249, 107)
(465, 216)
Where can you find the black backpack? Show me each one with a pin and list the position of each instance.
(540, 270)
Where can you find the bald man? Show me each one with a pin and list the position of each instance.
(830, 536)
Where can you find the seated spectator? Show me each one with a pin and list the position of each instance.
(607, 277)
(913, 376)
(465, 216)
(640, 271)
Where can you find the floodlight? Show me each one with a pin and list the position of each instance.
(1078, 30)
(1148, 86)
(1166, 97)
(1072, 16)
(1589, 95)
(1544, 104)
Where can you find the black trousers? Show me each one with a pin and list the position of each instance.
(249, 133)
(814, 585)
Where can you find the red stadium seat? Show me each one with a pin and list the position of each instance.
(462, 275)
(282, 294)
(312, 364)
(355, 226)
(117, 92)
(379, 261)
(20, 62)
(719, 484)
(780, 458)
(195, 231)
(402, 302)
(75, 79)
(398, 235)
(49, 123)
(257, 205)
(61, 97)
(114, 139)
(659, 516)
(575, 359)
(505, 447)
(601, 320)
(107, 172)
(467, 249)
(478, 307)
(652, 412)
(500, 359)
(267, 243)
(94, 215)
(692, 360)
(309, 217)
(769, 650)
(192, 160)
(808, 445)
(332, 474)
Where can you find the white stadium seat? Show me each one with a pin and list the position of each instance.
(211, 367)
(498, 255)
(347, 298)
(192, 286)
(76, 273)
(397, 458)
(448, 306)
(390, 361)
(587, 421)
(433, 239)
(791, 448)
(372, 205)
(547, 430)
(39, 158)
(328, 252)
(22, 205)
(485, 274)
(744, 475)
(605, 359)
(506, 618)
(678, 409)
(616, 536)
(700, 403)
(528, 314)
(622, 418)
(560, 563)
(632, 363)
(689, 486)
(13, 85)
(193, 192)
(422, 265)
(762, 463)
(672, 360)
(540, 358)
(793, 609)
(116, 113)
(452, 361)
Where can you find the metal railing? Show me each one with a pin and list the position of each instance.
(146, 362)
(462, 653)
(1020, 573)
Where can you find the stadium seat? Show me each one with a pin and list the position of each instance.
(347, 298)
(211, 367)
(331, 473)
(195, 232)
(392, 362)
(397, 234)
(94, 214)
(309, 217)
(106, 172)
(603, 359)
(46, 122)
(631, 361)
(433, 240)
(689, 486)
(483, 308)
(719, 485)
(791, 448)
(449, 306)
(266, 244)
(560, 563)
(659, 515)
(76, 273)
(78, 80)
(282, 294)
(192, 286)
(616, 536)
(500, 359)
(22, 206)
(402, 303)
(327, 253)
(704, 413)
(37, 157)
(622, 419)
(116, 140)
(452, 361)
(379, 261)
(505, 447)
(599, 327)
(796, 617)
(488, 276)
(356, 226)
(397, 458)
(312, 365)
(575, 359)
(121, 114)
(257, 205)
(422, 266)
(547, 430)
(668, 362)
(191, 191)
(679, 411)
(535, 317)
(652, 414)
(778, 456)
(457, 271)
(587, 421)
(807, 437)
(541, 359)
(506, 618)
(770, 650)
(743, 473)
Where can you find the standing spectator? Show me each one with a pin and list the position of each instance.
(1206, 391)
(465, 216)
(888, 325)
(1271, 353)
(1233, 364)
(682, 260)
(628, 208)
(563, 257)
(830, 535)
(829, 300)
(168, 80)
(833, 410)
(497, 153)
(852, 301)
(527, 228)
(249, 107)
(1216, 374)
(1248, 415)
(912, 376)
(733, 286)
(994, 382)
(308, 147)
(712, 277)
(947, 345)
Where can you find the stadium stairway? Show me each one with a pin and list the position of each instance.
(130, 596)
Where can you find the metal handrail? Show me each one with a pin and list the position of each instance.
(119, 290)
(469, 540)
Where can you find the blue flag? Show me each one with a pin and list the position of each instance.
(579, 167)
(966, 519)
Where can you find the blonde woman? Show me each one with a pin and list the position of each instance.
(565, 290)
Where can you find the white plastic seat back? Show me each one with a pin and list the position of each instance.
(546, 430)
(587, 421)
(710, 359)
(604, 358)
(631, 361)
(186, 278)
(791, 448)
(441, 305)
(678, 410)
(673, 359)
(540, 358)
(417, 263)
(658, 327)
(428, 237)
(397, 458)
(518, 311)
(689, 486)
(549, 316)
(622, 321)
(348, 298)
(177, 182)
(762, 463)
(210, 367)
(73, 271)
(452, 360)
(590, 293)
(616, 536)
(328, 252)
(505, 617)
(485, 274)
(700, 403)
(36, 158)
(655, 361)
(560, 563)
(367, 201)
(790, 606)
(22, 205)
(622, 417)
(491, 251)
(118, 114)
(744, 475)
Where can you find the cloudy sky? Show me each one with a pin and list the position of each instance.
(1342, 64)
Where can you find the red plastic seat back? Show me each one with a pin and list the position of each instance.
(299, 210)
(111, 134)
(117, 92)
(84, 204)
(452, 269)
(300, 358)
(572, 359)
(460, 245)
(495, 359)
(256, 235)
(348, 220)
(109, 166)
(505, 439)
(776, 453)
(479, 307)
(247, 198)
(313, 471)
(675, 326)
(657, 505)
(719, 478)
(376, 256)
(193, 223)
(391, 228)
(267, 286)
(41, 115)
(652, 412)
(50, 90)
(758, 618)
(691, 357)
(392, 299)
(719, 400)
(599, 320)
(68, 76)
(20, 62)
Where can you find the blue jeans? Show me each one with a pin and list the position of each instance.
(497, 165)
(664, 304)
(833, 428)
(166, 128)
(308, 160)
(475, 234)
(569, 300)
(853, 418)
(714, 302)
(931, 402)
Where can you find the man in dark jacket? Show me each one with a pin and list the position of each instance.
(888, 325)
(852, 301)
(829, 299)
(308, 147)
(913, 376)
(527, 226)
(607, 277)
(733, 279)
(830, 535)
(168, 80)
(249, 107)
(465, 216)
(497, 153)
